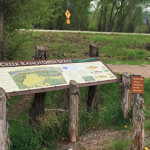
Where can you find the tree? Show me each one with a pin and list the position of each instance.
(119, 15)
(2, 3)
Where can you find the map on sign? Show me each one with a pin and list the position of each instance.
(37, 77)
(26, 78)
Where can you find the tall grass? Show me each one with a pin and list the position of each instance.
(54, 126)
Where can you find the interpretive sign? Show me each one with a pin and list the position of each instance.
(24, 77)
(137, 85)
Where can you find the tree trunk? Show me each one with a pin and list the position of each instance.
(73, 111)
(138, 123)
(110, 23)
(125, 94)
(4, 137)
(100, 22)
(93, 93)
(105, 18)
(2, 2)
(37, 107)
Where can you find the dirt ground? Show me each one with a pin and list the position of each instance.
(94, 140)
(143, 70)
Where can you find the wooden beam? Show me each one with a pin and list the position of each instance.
(93, 92)
(138, 123)
(37, 107)
(73, 111)
(125, 93)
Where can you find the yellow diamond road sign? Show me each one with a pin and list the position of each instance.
(68, 14)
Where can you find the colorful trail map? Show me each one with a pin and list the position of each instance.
(37, 77)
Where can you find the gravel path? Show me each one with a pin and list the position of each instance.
(143, 70)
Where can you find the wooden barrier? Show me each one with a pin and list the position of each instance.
(37, 107)
(73, 111)
(125, 93)
(4, 137)
(93, 93)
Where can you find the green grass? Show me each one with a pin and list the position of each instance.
(119, 145)
(114, 48)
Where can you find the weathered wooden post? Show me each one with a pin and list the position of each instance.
(73, 111)
(93, 93)
(138, 115)
(4, 137)
(37, 107)
(138, 123)
(125, 93)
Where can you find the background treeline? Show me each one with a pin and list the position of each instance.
(97, 15)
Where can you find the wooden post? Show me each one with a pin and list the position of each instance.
(138, 123)
(73, 111)
(125, 93)
(4, 137)
(37, 107)
(93, 93)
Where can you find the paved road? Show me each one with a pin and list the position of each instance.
(143, 70)
(89, 32)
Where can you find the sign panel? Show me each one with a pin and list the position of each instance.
(137, 85)
(43, 77)
(68, 14)
(68, 21)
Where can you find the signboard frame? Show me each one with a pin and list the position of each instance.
(51, 62)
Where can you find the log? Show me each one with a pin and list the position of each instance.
(73, 111)
(37, 107)
(93, 92)
(138, 123)
(4, 137)
(125, 94)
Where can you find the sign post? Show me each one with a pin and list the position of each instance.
(137, 89)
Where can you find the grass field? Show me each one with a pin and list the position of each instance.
(114, 49)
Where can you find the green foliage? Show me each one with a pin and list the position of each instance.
(119, 145)
(19, 45)
(114, 48)
(118, 16)
(22, 137)
(30, 13)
